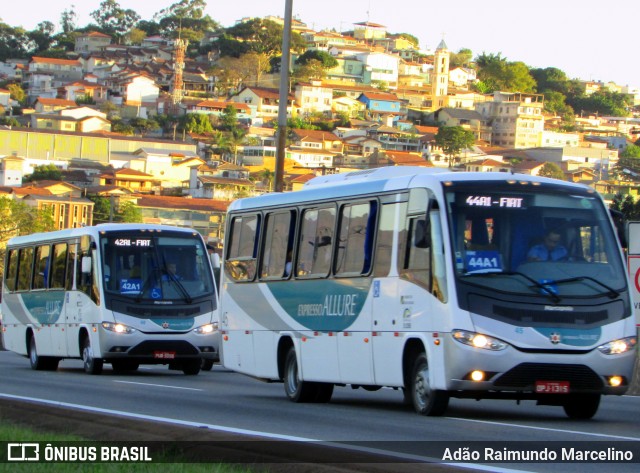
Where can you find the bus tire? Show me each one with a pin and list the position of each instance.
(91, 365)
(191, 367)
(582, 406)
(295, 389)
(40, 363)
(426, 401)
(324, 391)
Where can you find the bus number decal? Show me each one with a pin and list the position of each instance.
(483, 260)
(130, 286)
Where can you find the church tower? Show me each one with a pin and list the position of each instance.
(440, 76)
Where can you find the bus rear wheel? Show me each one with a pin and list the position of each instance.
(426, 401)
(41, 363)
(296, 389)
(91, 365)
(582, 406)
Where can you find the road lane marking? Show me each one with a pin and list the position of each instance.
(158, 385)
(254, 433)
(549, 429)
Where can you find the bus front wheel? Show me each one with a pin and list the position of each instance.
(91, 365)
(426, 401)
(191, 367)
(582, 406)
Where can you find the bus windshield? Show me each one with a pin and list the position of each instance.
(148, 267)
(533, 239)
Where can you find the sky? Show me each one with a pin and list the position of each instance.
(587, 39)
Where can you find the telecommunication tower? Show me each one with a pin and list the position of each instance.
(178, 66)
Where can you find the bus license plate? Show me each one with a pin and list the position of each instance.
(164, 355)
(552, 387)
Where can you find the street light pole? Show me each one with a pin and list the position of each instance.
(284, 96)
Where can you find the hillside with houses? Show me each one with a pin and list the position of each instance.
(180, 127)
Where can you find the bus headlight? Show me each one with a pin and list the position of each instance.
(616, 347)
(478, 340)
(206, 329)
(117, 328)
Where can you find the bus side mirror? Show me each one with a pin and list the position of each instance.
(215, 260)
(86, 265)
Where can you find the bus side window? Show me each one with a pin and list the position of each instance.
(384, 240)
(41, 270)
(417, 256)
(276, 258)
(25, 269)
(11, 272)
(355, 239)
(58, 266)
(242, 253)
(315, 246)
(71, 261)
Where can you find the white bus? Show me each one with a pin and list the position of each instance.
(108, 294)
(418, 280)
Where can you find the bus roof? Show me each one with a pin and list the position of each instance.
(93, 230)
(385, 179)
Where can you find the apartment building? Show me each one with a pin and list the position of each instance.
(516, 119)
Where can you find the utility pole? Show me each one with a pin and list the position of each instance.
(284, 96)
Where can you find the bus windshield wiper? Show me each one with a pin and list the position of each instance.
(147, 283)
(612, 293)
(544, 287)
(172, 277)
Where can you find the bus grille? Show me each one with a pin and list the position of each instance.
(526, 374)
(150, 346)
(544, 317)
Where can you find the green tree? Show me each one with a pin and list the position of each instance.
(128, 212)
(312, 69)
(42, 37)
(631, 151)
(101, 209)
(550, 79)
(198, 123)
(14, 42)
(17, 92)
(44, 172)
(113, 19)
(229, 118)
(453, 139)
(266, 176)
(463, 58)
(602, 102)
(257, 35)
(499, 74)
(68, 20)
(18, 218)
(326, 59)
(552, 170)
(185, 19)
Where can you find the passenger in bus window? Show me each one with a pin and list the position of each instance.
(287, 266)
(172, 273)
(551, 248)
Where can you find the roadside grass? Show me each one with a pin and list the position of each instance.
(14, 433)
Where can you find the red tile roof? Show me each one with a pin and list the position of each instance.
(49, 60)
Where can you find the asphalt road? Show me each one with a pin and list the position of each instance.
(232, 404)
